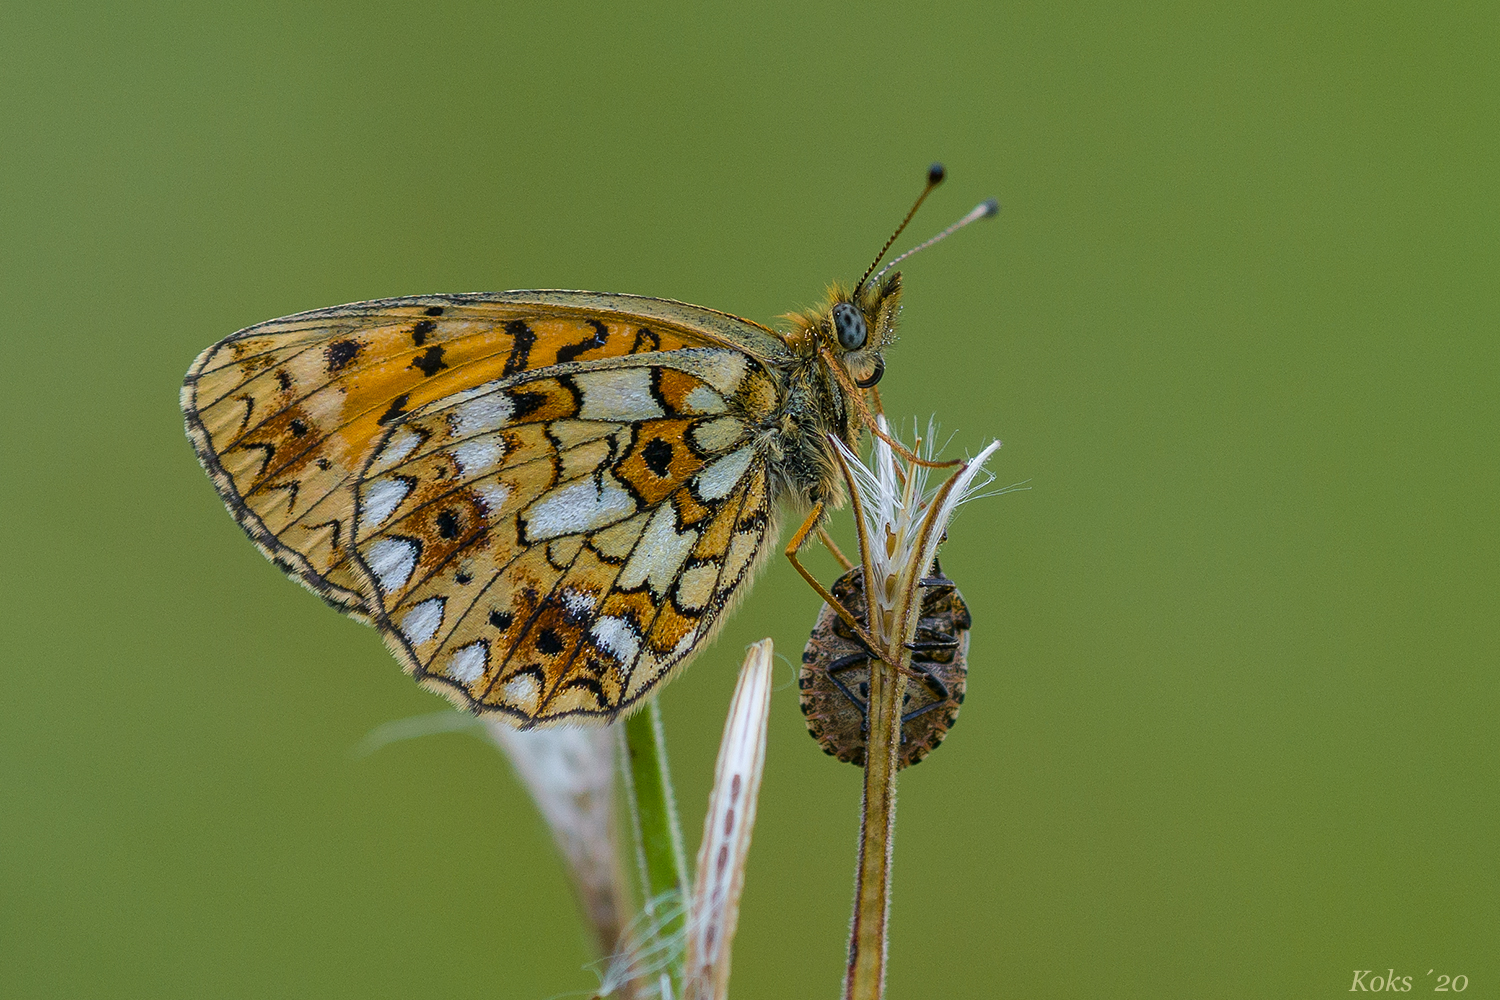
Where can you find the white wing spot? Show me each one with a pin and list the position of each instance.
(704, 400)
(716, 481)
(421, 622)
(719, 368)
(493, 495)
(378, 500)
(573, 510)
(467, 663)
(402, 442)
(392, 560)
(697, 586)
(481, 415)
(617, 637)
(659, 554)
(478, 455)
(578, 602)
(623, 394)
(742, 549)
(717, 435)
(523, 691)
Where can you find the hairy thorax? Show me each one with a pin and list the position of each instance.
(795, 436)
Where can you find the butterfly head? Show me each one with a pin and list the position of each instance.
(855, 327)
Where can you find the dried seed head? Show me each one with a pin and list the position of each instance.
(836, 672)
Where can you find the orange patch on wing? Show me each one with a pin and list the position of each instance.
(636, 607)
(541, 400)
(670, 629)
(674, 386)
(660, 461)
(559, 341)
(715, 538)
(689, 510)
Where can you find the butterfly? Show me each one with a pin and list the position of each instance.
(546, 501)
(835, 674)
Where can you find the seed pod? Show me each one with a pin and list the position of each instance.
(835, 677)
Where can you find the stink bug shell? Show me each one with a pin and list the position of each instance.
(835, 674)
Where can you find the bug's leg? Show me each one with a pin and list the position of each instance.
(919, 672)
(931, 635)
(938, 580)
(945, 695)
(915, 671)
(924, 710)
(839, 666)
(932, 645)
(794, 546)
(938, 687)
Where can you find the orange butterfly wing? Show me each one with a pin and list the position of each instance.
(300, 423)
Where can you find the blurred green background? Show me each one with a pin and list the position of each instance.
(1233, 694)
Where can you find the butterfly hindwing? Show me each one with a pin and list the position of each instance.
(286, 414)
(551, 544)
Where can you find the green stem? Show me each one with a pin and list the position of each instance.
(658, 833)
(865, 976)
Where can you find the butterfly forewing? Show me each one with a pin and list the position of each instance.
(552, 543)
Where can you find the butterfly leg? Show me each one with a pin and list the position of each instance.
(827, 540)
(794, 546)
(862, 410)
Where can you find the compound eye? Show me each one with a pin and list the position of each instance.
(850, 324)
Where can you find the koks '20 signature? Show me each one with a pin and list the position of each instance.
(1365, 982)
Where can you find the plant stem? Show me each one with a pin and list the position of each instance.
(658, 833)
(899, 534)
(865, 976)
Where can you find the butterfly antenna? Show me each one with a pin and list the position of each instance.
(983, 210)
(935, 175)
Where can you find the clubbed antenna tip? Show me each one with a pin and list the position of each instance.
(935, 175)
(983, 210)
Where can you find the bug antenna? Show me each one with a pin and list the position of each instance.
(983, 210)
(935, 175)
